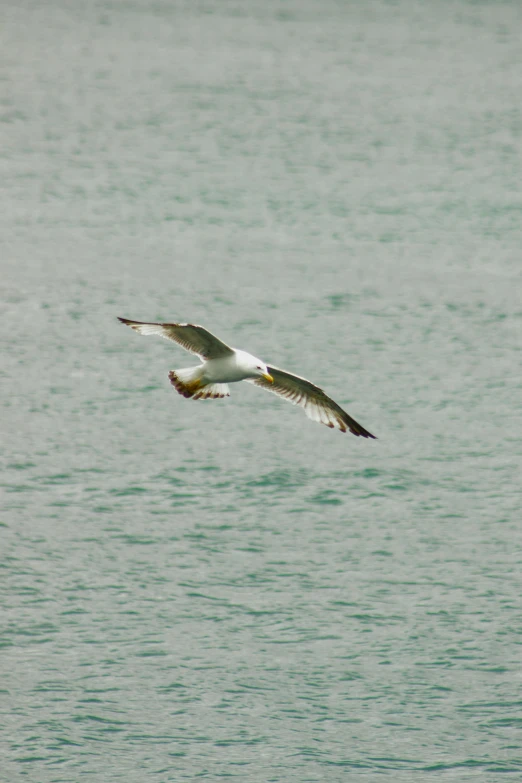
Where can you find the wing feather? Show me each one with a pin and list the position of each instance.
(192, 337)
(317, 405)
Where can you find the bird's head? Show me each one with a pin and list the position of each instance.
(252, 367)
(261, 371)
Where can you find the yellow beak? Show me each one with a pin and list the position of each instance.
(268, 377)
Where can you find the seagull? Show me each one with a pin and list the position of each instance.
(222, 365)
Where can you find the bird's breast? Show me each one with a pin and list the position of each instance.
(226, 370)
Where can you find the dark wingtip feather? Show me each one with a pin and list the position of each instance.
(365, 434)
(358, 430)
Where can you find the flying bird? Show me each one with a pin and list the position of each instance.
(222, 365)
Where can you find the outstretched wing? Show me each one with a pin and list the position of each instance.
(190, 336)
(317, 405)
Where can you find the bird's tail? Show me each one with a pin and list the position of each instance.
(188, 383)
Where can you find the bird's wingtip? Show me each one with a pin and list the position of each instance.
(363, 433)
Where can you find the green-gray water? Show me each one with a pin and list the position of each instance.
(225, 589)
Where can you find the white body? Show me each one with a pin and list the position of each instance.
(232, 369)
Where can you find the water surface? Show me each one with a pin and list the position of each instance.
(226, 589)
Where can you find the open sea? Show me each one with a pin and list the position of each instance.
(225, 590)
